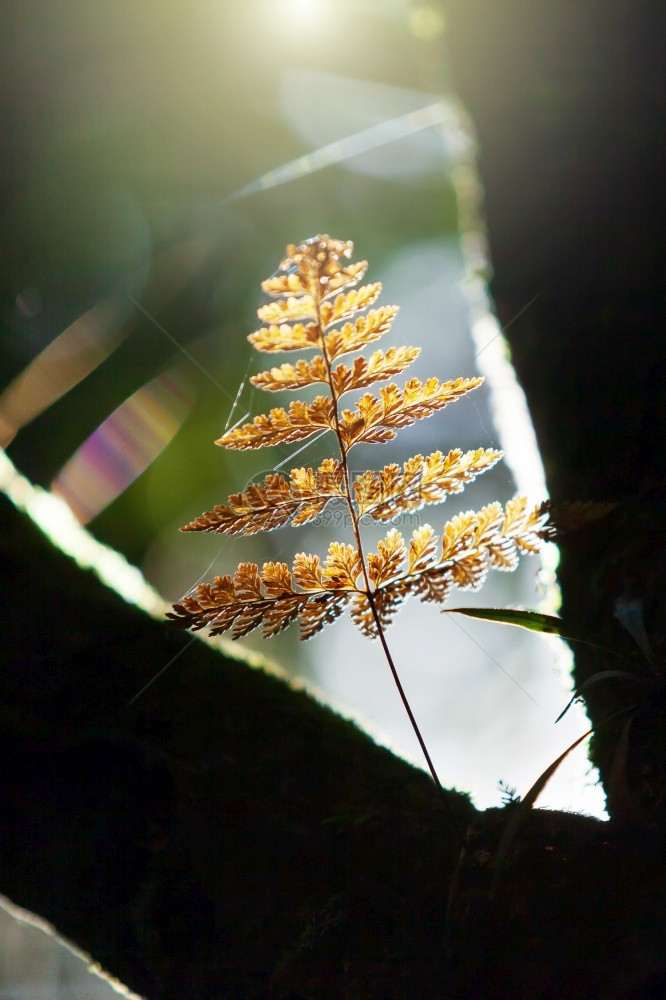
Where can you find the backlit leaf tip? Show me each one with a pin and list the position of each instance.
(378, 418)
(395, 490)
(319, 310)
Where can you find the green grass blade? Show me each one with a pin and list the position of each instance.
(535, 621)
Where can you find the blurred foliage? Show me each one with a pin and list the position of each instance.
(130, 128)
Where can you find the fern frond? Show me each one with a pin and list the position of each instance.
(285, 310)
(316, 308)
(392, 491)
(378, 418)
(275, 502)
(280, 337)
(354, 336)
(269, 598)
(386, 563)
(472, 544)
(347, 304)
(422, 549)
(377, 368)
(289, 376)
(280, 426)
(342, 568)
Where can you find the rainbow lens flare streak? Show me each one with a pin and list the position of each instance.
(125, 444)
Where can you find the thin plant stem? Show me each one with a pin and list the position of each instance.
(368, 589)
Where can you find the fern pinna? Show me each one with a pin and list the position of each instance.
(318, 309)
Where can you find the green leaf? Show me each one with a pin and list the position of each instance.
(532, 620)
(535, 621)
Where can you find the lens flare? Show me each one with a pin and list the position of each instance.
(125, 444)
(63, 364)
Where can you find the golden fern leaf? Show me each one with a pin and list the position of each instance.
(317, 307)
(285, 337)
(285, 284)
(347, 304)
(281, 426)
(275, 502)
(392, 490)
(378, 367)
(377, 419)
(342, 567)
(472, 544)
(289, 376)
(285, 310)
(386, 563)
(252, 598)
(422, 549)
(354, 336)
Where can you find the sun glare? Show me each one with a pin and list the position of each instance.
(299, 21)
(426, 23)
(308, 7)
